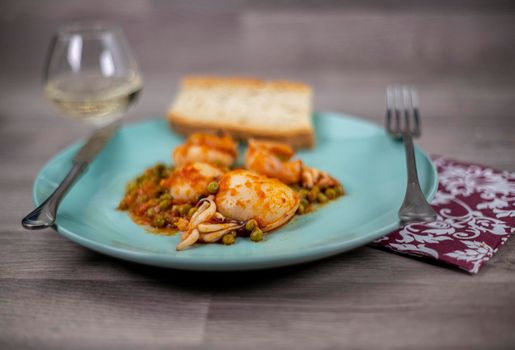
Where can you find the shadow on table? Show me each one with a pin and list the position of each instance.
(350, 271)
(234, 280)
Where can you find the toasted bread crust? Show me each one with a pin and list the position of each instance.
(297, 138)
(297, 134)
(209, 81)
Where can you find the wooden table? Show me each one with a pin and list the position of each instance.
(55, 294)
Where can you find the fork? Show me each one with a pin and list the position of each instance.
(414, 208)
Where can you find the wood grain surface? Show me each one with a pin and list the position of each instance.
(460, 54)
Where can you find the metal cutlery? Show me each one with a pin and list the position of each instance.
(45, 215)
(403, 123)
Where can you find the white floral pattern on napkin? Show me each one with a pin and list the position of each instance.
(476, 215)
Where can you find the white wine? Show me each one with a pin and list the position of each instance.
(94, 98)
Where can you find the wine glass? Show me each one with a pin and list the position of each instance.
(90, 73)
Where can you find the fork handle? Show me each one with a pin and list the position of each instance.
(44, 215)
(414, 208)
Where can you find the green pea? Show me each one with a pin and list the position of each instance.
(175, 208)
(229, 239)
(165, 204)
(184, 209)
(330, 193)
(166, 196)
(322, 198)
(165, 173)
(303, 193)
(192, 211)
(313, 194)
(295, 187)
(251, 225)
(301, 209)
(256, 235)
(150, 212)
(159, 167)
(159, 221)
(131, 186)
(304, 202)
(339, 190)
(212, 187)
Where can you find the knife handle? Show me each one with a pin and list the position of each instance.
(44, 215)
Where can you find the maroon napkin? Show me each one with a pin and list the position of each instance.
(476, 215)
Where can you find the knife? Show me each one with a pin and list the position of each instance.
(44, 216)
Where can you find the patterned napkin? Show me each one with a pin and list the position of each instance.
(476, 215)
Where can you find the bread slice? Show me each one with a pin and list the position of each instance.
(245, 108)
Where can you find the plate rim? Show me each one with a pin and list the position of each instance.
(230, 263)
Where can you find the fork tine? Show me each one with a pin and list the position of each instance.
(402, 114)
(398, 103)
(407, 108)
(414, 106)
(389, 107)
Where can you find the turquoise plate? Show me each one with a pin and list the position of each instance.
(370, 165)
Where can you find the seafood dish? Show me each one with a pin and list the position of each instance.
(207, 197)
